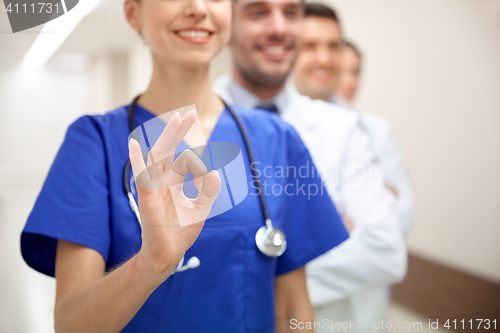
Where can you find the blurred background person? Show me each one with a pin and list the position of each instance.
(316, 72)
(349, 72)
(264, 43)
(329, 69)
(381, 134)
(324, 65)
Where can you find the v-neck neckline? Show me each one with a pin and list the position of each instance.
(145, 115)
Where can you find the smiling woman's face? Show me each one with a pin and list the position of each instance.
(182, 32)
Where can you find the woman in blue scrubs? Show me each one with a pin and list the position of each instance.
(114, 276)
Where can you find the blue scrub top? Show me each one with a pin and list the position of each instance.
(82, 201)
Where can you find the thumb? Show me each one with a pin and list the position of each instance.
(209, 190)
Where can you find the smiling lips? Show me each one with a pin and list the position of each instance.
(275, 52)
(195, 35)
(321, 74)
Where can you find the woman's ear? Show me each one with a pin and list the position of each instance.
(131, 8)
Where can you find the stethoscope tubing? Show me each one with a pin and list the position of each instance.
(264, 245)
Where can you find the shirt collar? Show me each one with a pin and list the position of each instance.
(289, 101)
(339, 101)
(249, 100)
(333, 100)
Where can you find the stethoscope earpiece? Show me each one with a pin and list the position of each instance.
(193, 262)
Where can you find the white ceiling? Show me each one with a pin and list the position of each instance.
(13, 46)
(103, 30)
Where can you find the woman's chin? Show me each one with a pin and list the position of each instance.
(191, 60)
(194, 64)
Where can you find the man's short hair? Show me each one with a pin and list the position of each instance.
(319, 10)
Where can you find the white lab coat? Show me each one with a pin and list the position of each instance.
(381, 135)
(388, 157)
(375, 254)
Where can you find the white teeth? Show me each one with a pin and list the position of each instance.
(275, 49)
(194, 33)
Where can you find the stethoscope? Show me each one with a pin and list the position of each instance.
(270, 241)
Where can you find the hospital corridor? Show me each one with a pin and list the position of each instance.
(390, 107)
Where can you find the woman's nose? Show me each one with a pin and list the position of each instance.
(196, 8)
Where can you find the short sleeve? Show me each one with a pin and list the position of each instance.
(312, 224)
(73, 204)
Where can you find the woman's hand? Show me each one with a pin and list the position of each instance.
(171, 222)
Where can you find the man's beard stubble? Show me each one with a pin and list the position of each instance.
(258, 79)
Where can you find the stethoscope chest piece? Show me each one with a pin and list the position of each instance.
(270, 241)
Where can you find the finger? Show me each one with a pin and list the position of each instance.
(155, 171)
(141, 178)
(209, 190)
(187, 122)
(171, 137)
(184, 127)
(187, 162)
(162, 147)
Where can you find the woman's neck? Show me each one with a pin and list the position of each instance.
(173, 87)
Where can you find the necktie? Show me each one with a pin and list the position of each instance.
(269, 107)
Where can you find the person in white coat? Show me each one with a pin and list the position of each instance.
(264, 41)
(381, 133)
(328, 68)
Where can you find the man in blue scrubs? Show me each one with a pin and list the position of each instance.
(82, 202)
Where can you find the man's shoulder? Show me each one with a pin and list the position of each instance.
(269, 129)
(323, 114)
(261, 120)
(376, 123)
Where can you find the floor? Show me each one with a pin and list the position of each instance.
(400, 314)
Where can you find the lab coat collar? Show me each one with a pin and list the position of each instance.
(339, 101)
(297, 108)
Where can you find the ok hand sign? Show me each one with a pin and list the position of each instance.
(171, 222)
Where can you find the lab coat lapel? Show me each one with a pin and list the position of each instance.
(305, 120)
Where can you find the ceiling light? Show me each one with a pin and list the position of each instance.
(54, 33)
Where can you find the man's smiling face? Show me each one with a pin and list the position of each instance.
(264, 39)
